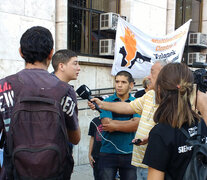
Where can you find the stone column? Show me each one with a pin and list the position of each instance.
(204, 18)
(61, 24)
(170, 19)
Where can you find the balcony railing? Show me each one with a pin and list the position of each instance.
(103, 92)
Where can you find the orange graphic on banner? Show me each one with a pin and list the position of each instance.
(130, 45)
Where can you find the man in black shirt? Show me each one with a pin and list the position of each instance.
(95, 145)
(146, 83)
(66, 68)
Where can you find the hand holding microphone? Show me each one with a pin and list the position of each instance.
(94, 103)
(85, 93)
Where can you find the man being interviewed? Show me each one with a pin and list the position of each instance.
(116, 151)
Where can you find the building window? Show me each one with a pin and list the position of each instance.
(83, 24)
(185, 10)
(189, 9)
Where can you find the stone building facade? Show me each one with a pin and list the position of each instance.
(152, 17)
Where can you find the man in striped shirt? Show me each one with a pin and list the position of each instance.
(146, 107)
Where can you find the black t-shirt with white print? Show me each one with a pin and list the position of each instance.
(167, 150)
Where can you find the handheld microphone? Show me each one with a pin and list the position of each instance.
(85, 93)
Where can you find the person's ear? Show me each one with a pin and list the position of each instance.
(51, 54)
(131, 85)
(61, 66)
(49, 58)
(20, 52)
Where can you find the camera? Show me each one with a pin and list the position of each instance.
(200, 78)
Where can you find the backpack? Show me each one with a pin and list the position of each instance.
(197, 167)
(36, 145)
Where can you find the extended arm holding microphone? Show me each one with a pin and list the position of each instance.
(117, 107)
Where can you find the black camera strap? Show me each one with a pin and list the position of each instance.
(196, 97)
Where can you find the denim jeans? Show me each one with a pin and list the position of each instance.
(1, 157)
(142, 173)
(110, 163)
(96, 169)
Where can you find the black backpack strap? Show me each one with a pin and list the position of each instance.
(199, 128)
(2, 139)
(37, 99)
(185, 132)
(195, 139)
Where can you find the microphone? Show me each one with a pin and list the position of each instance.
(85, 93)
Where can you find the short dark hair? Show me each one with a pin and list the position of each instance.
(36, 44)
(62, 56)
(126, 74)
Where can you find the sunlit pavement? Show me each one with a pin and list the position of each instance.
(82, 172)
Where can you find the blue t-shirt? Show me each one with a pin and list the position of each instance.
(122, 140)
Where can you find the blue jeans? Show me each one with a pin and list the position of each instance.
(1, 157)
(110, 163)
(142, 173)
(95, 169)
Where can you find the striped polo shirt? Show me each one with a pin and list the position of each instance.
(145, 106)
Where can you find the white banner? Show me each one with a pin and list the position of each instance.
(136, 51)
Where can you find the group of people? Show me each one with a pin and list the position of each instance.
(155, 118)
(164, 110)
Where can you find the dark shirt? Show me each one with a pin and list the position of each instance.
(167, 150)
(69, 143)
(96, 134)
(37, 79)
(139, 93)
